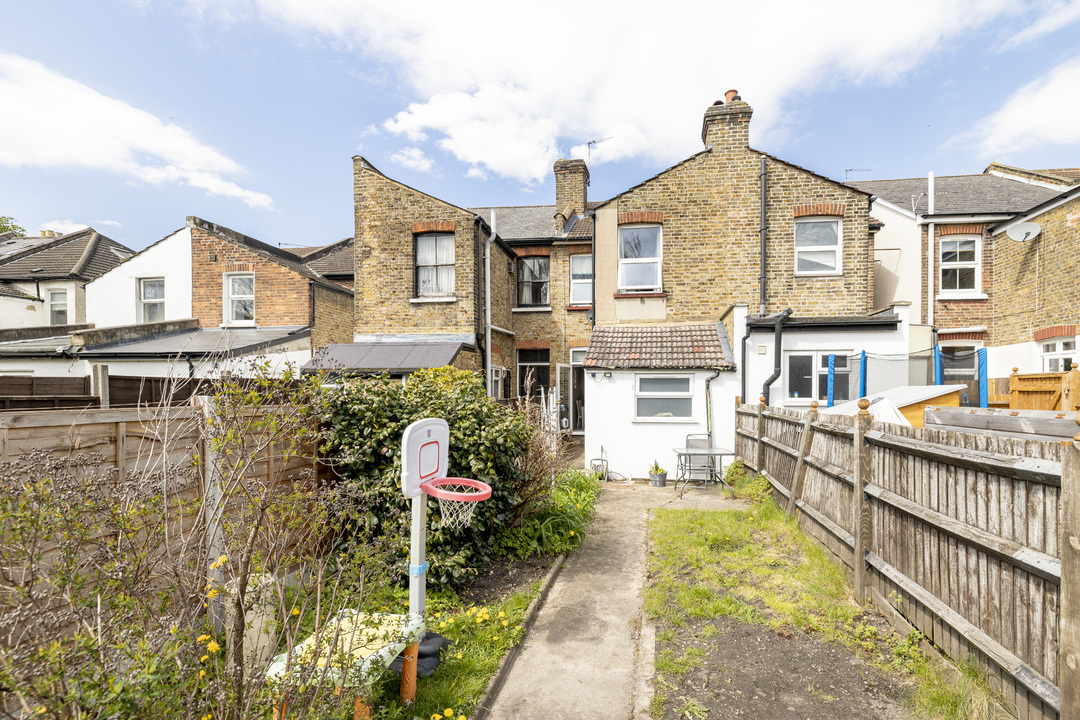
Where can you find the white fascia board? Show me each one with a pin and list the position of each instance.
(962, 219)
(1029, 181)
(894, 207)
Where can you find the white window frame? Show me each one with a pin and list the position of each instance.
(639, 394)
(581, 283)
(837, 249)
(55, 306)
(143, 301)
(535, 262)
(1062, 348)
(658, 260)
(943, 266)
(817, 358)
(451, 263)
(228, 297)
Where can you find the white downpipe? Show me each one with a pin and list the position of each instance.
(930, 250)
(487, 305)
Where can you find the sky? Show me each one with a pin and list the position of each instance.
(129, 115)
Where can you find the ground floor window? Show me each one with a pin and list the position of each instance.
(534, 371)
(663, 396)
(959, 364)
(1058, 355)
(808, 376)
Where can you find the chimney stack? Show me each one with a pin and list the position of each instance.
(727, 125)
(571, 190)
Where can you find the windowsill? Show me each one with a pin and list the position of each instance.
(443, 299)
(973, 295)
(238, 324)
(630, 294)
(667, 421)
(576, 308)
(527, 309)
(820, 274)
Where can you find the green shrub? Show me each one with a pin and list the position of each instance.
(487, 441)
(560, 525)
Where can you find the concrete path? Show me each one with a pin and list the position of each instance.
(587, 654)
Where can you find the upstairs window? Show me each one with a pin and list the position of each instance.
(640, 258)
(533, 281)
(58, 307)
(817, 246)
(960, 265)
(240, 299)
(151, 300)
(434, 265)
(581, 279)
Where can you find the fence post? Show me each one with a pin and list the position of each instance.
(101, 384)
(799, 477)
(861, 455)
(760, 460)
(1069, 622)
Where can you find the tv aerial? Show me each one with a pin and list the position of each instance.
(1022, 232)
(596, 142)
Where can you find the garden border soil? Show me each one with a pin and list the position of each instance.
(507, 662)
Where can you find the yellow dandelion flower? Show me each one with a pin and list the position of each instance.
(502, 614)
(459, 656)
(204, 658)
(462, 717)
(213, 593)
(448, 712)
(442, 624)
(296, 611)
(505, 623)
(202, 674)
(579, 506)
(172, 630)
(571, 533)
(479, 621)
(496, 638)
(436, 716)
(436, 615)
(212, 646)
(470, 611)
(451, 621)
(202, 638)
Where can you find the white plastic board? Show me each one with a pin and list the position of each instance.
(425, 449)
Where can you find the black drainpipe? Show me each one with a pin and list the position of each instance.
(479, 294)
(764, 177)
(778, 330)
(742, 347)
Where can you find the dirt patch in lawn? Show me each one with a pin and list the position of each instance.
(723, 668)
(503, 577)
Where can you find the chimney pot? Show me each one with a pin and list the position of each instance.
(731, 95)
(43, 233)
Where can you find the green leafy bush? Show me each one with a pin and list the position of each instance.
(487, 442)
(561, 524)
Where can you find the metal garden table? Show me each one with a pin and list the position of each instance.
(701, 463)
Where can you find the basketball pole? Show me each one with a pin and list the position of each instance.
(417, 593)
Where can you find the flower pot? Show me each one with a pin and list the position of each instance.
(658, 479)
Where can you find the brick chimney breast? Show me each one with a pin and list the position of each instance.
(727, 125)
(571, 190)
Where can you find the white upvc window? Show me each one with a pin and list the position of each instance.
(239, 304)
(151, 300)
(434, 265)
(808, 376)
(58, 307)
(818, 246)
(581, 279)
(663, 397)
(1059, 355)
(640, 258)
(960, 272)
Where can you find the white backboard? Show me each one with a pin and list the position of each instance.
(425, 448)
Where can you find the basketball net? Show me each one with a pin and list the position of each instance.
(457, 514)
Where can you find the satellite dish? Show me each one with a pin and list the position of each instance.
(1022, 232)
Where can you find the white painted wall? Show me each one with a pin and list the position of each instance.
(760, 360)
(45, 367)
(113, 298)
(22, 313)
(1027, 357)
(631, 446)
(898, 252)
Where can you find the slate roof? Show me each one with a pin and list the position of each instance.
(527, 222)
(11, 243)
(84, 254)
(960, 194)
(380, 357)
(657, 347)
(333, 260)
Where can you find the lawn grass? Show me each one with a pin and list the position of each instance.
(757, 566)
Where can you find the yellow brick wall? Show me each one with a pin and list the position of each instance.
(333, 318)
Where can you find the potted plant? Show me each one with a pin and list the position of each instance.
(657, 475)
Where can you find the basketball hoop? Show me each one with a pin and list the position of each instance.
(457, 499)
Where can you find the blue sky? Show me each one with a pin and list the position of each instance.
(129, 115)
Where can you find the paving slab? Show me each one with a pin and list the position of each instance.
(586, 655)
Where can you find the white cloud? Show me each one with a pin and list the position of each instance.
(508, 91)
(109, 223)
(1057, 16)
(1041, 113)
(54, 122)
(412, 158)
(63, 226)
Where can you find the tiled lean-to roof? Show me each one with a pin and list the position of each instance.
(658, 347)
(84, 254)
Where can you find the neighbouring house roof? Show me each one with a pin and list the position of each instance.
(816, 323)
(84, 255)
(382, 357)
(12, 291)
(228, 342)
(582, 229)
(11, 243)
(658, 347)
(334, 260)
(959, 194)
(53, 346)
(532, 222)
(269, 252)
